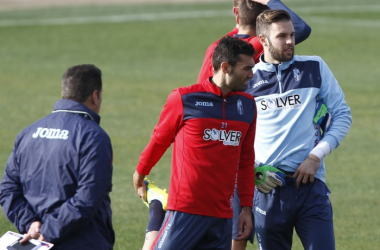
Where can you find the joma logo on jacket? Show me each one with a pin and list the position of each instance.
(51, 133)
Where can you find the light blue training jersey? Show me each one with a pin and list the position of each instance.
(286, 97)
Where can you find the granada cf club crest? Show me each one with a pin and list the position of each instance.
(297, 74)
(240, 107)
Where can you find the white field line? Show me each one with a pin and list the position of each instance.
(338, 9)
(344, 21)
(201, 14)
(116, 18)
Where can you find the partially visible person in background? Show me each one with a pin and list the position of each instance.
(303, 30)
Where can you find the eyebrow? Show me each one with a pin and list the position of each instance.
(285, 33)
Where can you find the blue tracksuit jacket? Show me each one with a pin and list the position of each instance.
(60, 173)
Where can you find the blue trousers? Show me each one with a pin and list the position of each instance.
(190, 231)
(307, 210)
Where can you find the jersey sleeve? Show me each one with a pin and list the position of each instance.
(332, 95)
(258, 47)
(246, 179)
(163, 134)
(302, 29)
(207, 68)
(12, 200)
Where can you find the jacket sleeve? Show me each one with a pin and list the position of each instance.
(207, 68)
(15, 206)
(302, 29)
(93, 188)
(332, 95)
(246, 178)
(258, 47)
(164, 133)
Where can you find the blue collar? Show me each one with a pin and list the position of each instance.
(71, 106)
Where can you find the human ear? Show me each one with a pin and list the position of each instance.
(263, 40)
(224, 67)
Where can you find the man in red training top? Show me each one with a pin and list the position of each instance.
(212, 127)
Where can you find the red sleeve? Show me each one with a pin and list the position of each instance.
(257, 46)
(207, 68)
(246, 175)
(163, 133)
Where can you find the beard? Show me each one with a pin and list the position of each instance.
(278, 55)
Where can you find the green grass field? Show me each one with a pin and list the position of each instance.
(145, 51)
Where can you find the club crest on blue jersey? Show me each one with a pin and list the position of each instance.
(240, 107)
(297, 74)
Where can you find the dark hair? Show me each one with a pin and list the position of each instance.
(265, 19)
(237, 2)
(229, 50)
(78, 82)
(248, 12)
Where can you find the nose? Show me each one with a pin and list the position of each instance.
(250, 74)
(290, 40)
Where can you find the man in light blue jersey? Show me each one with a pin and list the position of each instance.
(287, 89)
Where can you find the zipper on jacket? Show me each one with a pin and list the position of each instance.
(278, 75)
(224, 108)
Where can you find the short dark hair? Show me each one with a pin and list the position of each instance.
(248, 12)
(78, 82)
(265, 19)
(237, 2)
(229, 50)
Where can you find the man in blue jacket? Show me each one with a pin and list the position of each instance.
(59, 175)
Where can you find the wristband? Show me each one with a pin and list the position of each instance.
(321, 150)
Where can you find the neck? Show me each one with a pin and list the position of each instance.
(219, 80)
(269, 59)
(247, 30)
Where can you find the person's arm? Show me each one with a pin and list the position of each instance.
(245, 223)
(207, 69)
(12, 200)
(258, 47)
(332, 95)
(246, 180)
(163, 135)
(302, 29)
(161, 139)
(94, 183)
